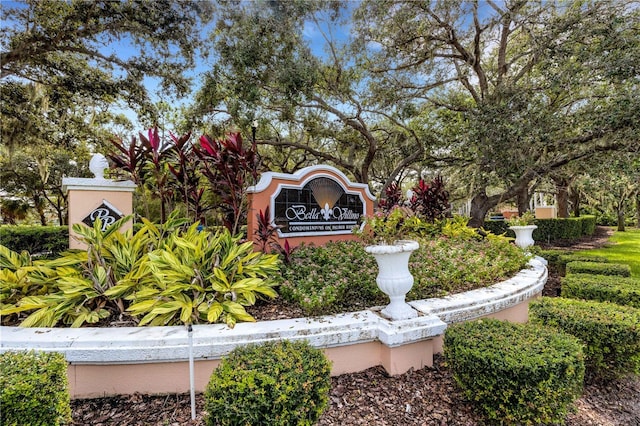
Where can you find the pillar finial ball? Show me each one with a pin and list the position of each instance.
(97, 165)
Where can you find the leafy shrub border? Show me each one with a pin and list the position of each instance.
(274, 383)
(609, 331)
(34, 389)
(517, 373)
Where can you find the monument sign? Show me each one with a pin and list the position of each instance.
(315, 205)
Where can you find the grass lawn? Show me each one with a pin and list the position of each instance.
(625, 248)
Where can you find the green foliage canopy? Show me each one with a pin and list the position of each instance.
(67, 44)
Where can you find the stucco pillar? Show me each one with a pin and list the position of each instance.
(92, 198)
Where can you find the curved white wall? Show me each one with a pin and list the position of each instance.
(354, 341)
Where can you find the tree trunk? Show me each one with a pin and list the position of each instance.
(60, 217)
(562, 195)
(574, 197)
(638, 209)
(522, 200)
(620, 211)
(621, 221)
(480, 205)
(38, 203)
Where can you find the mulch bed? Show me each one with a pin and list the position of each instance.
(424, 397)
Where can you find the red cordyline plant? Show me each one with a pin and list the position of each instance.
(145, 159)
(177, 166)
(393, 197)
(149, 157)
(266, 232)
(184, 167)
(266, 237)
(158, 150)
(230, 169)
(131, 158)
(430, 201)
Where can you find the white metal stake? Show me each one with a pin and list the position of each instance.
(191, 374)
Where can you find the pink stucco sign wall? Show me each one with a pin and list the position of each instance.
(315, 205)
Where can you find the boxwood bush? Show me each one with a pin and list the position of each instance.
(610, 332)
(551, 255)
(34, 389)
(598, 268)
(563, 259)
(498, 227)
(588, 224)
(558, 229)
(517, 373)
(603, 288)
(46, 240)
(276, 383)
(549, 229)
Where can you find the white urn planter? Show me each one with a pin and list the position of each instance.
(394, 278)
(524, 235)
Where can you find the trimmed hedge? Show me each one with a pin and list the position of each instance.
(47, 240)
(498, 227)
(565, 258)
(34, 389)
(558, 229)
(552, 255)
(562, 260)
(549, 229)
(610, 332)
(276, 383)
(598, 268)
(588, 224)
(518, 373)
(603, 288)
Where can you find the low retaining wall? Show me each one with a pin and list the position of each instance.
(154, 360)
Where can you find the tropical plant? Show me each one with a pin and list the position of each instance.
(266, 232)
(230, 168)
(393, 197)
(87, 286)
(131, 157)
(203, 277)
(266, 237)
(162, 273)
(14, 279)
(184, 167)
(156, 166)
(430, 201)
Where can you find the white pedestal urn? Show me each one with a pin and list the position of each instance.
(394, 278)
(524, 235)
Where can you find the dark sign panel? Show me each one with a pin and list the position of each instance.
(106, 213)
(321, 207)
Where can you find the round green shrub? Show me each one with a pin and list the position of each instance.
(517, 373)
(610, 332)
(276, 383)
(34, 389)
